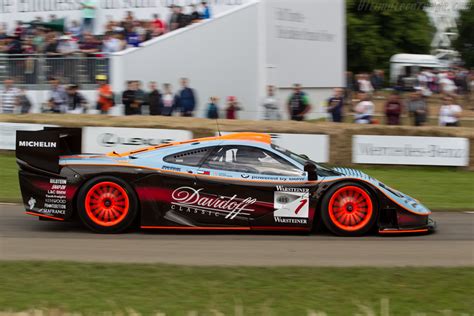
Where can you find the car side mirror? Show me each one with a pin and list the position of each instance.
(312, 171)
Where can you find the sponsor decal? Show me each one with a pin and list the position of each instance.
(112, 140)
(245, 176)
(103, 139)
(31, 203)
(171, 168)
(206, 173)
(291, 205)
(55, 200)
(36, 144)
(191, 200)
(410, 150)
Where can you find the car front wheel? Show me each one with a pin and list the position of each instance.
(348, 209)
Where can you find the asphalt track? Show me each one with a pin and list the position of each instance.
(24, 237)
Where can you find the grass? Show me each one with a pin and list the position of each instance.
(9, 188)
(177, 290)
(437, 188)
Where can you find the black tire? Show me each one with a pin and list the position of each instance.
(349, 209)
(107, 205)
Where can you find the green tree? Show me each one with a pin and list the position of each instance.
(464, 44)
(378, 29)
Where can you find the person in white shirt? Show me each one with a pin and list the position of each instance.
(365, 85)
(112, 43)
(364, 110)
(271, 105)
(446, 85)
(449, 112)
(9, 98)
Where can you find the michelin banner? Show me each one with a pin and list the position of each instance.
(410, 150)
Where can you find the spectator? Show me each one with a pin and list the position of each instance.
(75, 29)
(350, 86)
(232, 108)
(449, 112)
(132, 37)
(57, 101)
(175, 17)
(186, 98)
(206, 11)
(298, 104)
(213, 109)
(377, 80)
(24, 102)
(89, 8)
(90, 48)
(169, 100)
(271, 105)
(195, 15)
(393, 109)
(77, 103)
(3, 32)
(159, 25)
(364, 110)
(364, 84)
(106, 96)
(336, 105)
(417, 108)
(140, 97)
(19, 29)
(13, 45)
(66, 45)
(9, 97)
(154, 100)
(447, 85)
(112, 43)
(128, 98)
(39, 40)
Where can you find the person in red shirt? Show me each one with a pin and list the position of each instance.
(159, 25)
(106, 96)
(232, 108)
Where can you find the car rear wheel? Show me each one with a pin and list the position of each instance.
(348, 209)
(107, 205)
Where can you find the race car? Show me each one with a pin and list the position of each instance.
(234, 182)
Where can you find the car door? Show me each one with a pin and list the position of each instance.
(264, 187)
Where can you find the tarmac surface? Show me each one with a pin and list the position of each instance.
(24, 237)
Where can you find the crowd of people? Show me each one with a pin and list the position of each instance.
(362, 89)
(357, 101)
(48, 37)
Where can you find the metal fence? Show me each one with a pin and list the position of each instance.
(33, 71)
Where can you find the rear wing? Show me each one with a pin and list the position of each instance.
(42, 149)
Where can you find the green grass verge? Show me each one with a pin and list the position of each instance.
(437, 188)
(9, 187)
(95, 288)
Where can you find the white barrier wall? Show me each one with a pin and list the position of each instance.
(28, 10)
(239, 53)
(305, 42)
(220, 56)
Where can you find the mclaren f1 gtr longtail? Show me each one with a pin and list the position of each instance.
(234, 182)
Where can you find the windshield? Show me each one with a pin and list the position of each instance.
(323, 171)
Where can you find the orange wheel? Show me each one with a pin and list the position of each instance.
(349, 210)
(107, 203)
